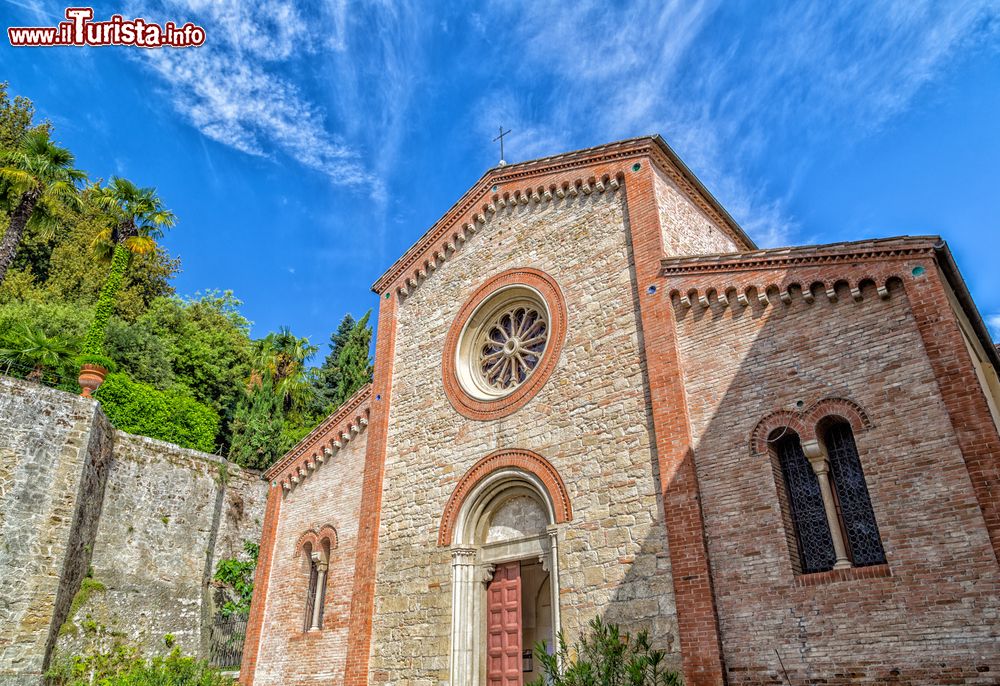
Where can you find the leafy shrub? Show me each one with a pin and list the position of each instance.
(99, 360)
(235, 575)
(605, 657)
(123, 666)
(170, 415)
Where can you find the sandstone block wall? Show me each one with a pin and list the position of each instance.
(936, 618)
(54, 453)
(331, 495)
(170, 515)
(590, 420)
(147, 519)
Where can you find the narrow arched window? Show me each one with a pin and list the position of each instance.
(858, 520)
(805, 500)
(316, 589)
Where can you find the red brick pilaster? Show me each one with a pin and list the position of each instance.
(363, 597)
(265, 557)
(701, 647)
(962, 393)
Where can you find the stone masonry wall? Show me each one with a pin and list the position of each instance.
(53, 449)
(147, 519)
(936, 619)
(170, 515)
(589, 420)
(329, 496)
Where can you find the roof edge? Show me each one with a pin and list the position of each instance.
(653, 146)
(355, 404)
(958, 286)
(879, 248)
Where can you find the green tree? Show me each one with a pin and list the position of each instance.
(41, 182)
(354, 366)
(35, 352)
(16, 118)
(257, 427)
(138, 219)
(328, 375)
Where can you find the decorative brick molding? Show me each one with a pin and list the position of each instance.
(474, 408)
(604, 169)
(850, 574)
(315, 538)
(805, 422)
(323, 442)
(526, 460)
(893, 249)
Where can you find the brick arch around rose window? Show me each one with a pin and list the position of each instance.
(518, 459)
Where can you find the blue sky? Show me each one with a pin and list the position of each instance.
(306, 145)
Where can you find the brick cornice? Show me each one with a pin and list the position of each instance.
(324, 441)
(501, 186)
(810, 255)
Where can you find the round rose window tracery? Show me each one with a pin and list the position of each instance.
(512, 347)
(504, 343)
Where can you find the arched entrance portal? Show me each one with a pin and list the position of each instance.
(502, 523)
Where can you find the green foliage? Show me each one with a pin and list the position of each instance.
(171, 415)
(354, 367)
(88, 587)
(235, 577)
(328, 376)
(93, 344)
(34, 352)
(122, 665)
(605, 657)
(257, 427)
(16, 117)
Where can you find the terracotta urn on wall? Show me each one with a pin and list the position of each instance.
(91, 377)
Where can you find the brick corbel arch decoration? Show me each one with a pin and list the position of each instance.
(524, 460)
(805, 422)
(315, 538)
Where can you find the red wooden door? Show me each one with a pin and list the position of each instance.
(503, 626)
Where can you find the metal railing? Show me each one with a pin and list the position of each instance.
(225, 647)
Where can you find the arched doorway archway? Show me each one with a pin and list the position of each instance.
(502, 523)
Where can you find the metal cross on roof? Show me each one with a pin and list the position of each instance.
(500, 138)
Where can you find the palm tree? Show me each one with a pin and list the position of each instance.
(138, 218)
(31, 348)
(40, 176)
(281, 358)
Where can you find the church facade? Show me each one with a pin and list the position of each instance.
(595, 397)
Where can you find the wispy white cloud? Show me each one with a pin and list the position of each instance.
(258, 86)
(723, 88)
(993, 322)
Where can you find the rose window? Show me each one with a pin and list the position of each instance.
(512, 347)
(503, 342)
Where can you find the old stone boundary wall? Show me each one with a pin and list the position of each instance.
(149, 521)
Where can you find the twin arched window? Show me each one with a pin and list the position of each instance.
(317, 544)
(828, 500)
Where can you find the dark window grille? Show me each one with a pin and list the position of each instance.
(225, 648)
(310, 596)
(812, 530)
(852, 493)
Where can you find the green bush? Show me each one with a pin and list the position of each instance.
(123, 666)
(171, 415)
(605, 657)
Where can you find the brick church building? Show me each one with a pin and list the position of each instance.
(595, 396)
